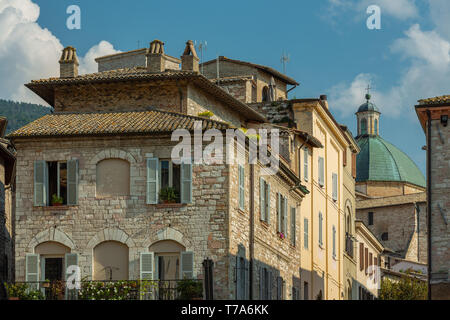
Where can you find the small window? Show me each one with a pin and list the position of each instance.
(282, 214)
(376, 127)
(293, 226)
(264, 200)
(335, 187)
(321, 171)
(305, 291)
(305, 164)
(364, 126)
(385, 236)
(170, 179)
(370, 218)
(241, 188)
(334, 242)
(305, 234)
(320, 229)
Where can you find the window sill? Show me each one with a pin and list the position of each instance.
(242, 211)
(169, 205)
(264, 224)
(56, 208)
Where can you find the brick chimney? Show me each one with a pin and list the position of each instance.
(324, 101)
(156, 61)
(68, 64)
(189, 59)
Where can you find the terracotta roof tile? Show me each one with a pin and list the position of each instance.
(435, 100)
(112, 123)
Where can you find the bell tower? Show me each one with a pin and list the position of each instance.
(368, 117)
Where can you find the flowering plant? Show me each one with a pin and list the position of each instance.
(281, 234)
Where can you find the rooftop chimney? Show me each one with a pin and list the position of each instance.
(189, 59)
(324, 101)
(68, 64)
(156, 61)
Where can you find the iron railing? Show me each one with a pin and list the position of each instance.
(108, 290)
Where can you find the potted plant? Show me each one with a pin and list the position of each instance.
(57, 201)
(168, 195)
(190, 290)
(46, 284)
(281, 235)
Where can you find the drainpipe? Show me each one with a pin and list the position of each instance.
(252, 232)
(429, 200)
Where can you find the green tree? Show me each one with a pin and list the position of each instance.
(407, 288)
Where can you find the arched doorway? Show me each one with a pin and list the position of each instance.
(168, 254)
(52, 260)
(110, 261)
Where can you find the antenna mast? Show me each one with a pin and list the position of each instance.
(201, 45)
(285, 59)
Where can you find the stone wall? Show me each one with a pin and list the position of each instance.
(440, 202)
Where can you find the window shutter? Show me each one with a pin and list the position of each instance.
(370, 262)
(40, 183)
(320, 228)
(187, 265)
(334, 241)
(306, 233)
(361, 256)
(335, 186)
(241, 188)
(293, 226)
(238, 278)
(321, 172)
(261, 283)
(147, 266)
(366, 259)
(279, 213)
(269, 285)
(152, 180)
(285, 217)
(268, 204)
(186, 183)
(305, 163)
(72, 182)
(262, 202)
(32, 270)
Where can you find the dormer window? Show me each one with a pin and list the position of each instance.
(364, 126)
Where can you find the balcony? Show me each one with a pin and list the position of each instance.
(349, 245)
(108, 290)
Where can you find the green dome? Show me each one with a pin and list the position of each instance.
(381, 161)
(368, 106)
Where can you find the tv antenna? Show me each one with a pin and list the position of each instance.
(201, 46)
(285, 59)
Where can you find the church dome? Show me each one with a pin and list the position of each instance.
(379, 160)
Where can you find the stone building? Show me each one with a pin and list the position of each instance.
(7, 167)
(433, 115)
(89, 178)
(390, 191)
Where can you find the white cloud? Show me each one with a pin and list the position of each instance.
(28, 51)
(400, 9)
(88, 64)
(427, 75)
(440, 16)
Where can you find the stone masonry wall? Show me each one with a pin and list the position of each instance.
(201, 227)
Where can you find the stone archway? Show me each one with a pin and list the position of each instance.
(168, 233)
(51, 235)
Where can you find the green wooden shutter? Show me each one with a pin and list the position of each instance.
(279, 213)
(186, 183)
(147, 266)
(335, 186)
(306, 233)
(241, 188)
(32, 270)
(268, 204)
(320, 228)
(334, 241)
(321, 172)
(305, 164)
(285, 216)
(293, 226)
(187, 265)
(40, 183)
(262, 202)
(152, 180)
(72, 182)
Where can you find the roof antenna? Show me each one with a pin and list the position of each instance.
(285, 59)
(202, 45)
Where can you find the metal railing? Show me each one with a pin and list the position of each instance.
(108, 290)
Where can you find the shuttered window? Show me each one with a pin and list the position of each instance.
(366, 260)
(147, 266)
(361, 256)
(334, 242)
(305, 164)
(241, 188)
(32, 270)
(293, 226)
(335, 186)
(72, 182)
(152, 180)
(186, 183)
(321, 169)
(305, 233)
(40, 183)
(320, 229)
(264, 196)
(370, 263)
(187, 265)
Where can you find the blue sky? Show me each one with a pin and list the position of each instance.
(331, 49)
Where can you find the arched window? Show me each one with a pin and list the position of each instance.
(171, 260)
(348, 223)
(376, 127)
(113, 178)
(110, 261)
(265, 94)
(52, 256)
(364, 126)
